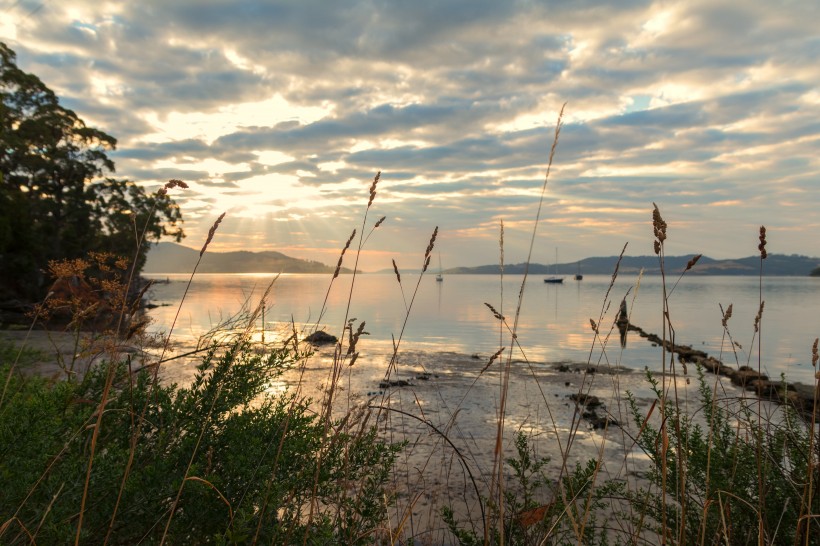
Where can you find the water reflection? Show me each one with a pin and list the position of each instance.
(552, 326)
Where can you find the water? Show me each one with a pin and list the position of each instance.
(554, 323)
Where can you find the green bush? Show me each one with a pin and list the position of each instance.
(255, 472)
(733, 466)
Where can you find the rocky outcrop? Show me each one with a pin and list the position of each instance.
(799, 396)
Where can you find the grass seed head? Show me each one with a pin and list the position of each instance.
(726, 316)
(759, 316)
(429, 250)
(396, 271)
(432, 243)
(342, 255)
(173, 183)
(659, 227)
(691, 263)
(762, 246)
(495, 313)
(492, 359)
(211, 234)
(373, 188)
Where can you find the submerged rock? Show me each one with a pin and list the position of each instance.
(321, 337)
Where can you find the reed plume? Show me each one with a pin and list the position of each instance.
(429, 250)
(373, 189)
(342, 255)
(691, 263)
(726, 316)
(762, 246)
(396, 271)
(659, 227)
(211, 233)
(173, 183)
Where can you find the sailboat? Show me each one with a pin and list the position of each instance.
(578, 276)
(554, 279)
(439, 277)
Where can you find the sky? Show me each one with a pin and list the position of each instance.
(281, 113)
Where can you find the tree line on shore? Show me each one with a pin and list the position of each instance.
(59, 199)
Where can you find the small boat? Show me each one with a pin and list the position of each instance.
(439, 277)
(554, 279)
(578, 276)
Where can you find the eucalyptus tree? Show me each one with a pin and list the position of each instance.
(57, 199)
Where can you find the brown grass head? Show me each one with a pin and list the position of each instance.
(353, 337)
(659, 227)
(762, 246)
(342, 255)
(380, 222)
(814, 355)
(493, 358)
(396, 271)
(373, 188)
(495, 313)
(429, 250)
(726, 316)
(211, 234)
(173, 183)
(759, 316)
(691, 263)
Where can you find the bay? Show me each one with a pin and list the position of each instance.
(554, 321)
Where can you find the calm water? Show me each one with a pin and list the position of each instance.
(554, 321)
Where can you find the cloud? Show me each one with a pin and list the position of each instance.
(707, 107)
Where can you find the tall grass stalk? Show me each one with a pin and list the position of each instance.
(497, 488)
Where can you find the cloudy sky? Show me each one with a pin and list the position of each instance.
(281, 113)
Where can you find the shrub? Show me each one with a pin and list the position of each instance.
(713, 490)
(253, 472)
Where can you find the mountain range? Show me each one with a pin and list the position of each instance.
(775, 265)
(174, 258)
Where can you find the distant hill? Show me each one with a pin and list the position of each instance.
(174, 258)
(775, 264)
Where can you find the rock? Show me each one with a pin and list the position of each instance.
(688, 354)
(587, 400)
(387, 383)
(599, 422)
(321, 337)
(711, 364)
(764, 388)
(745, 375)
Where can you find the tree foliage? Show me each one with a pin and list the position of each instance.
(56, 199)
